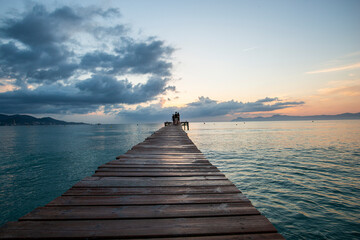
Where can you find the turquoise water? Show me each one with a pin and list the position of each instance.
(38, 163)
(303, 176)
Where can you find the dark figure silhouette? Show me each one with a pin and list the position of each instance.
(176, 118)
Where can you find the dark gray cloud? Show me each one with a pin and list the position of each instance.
(205, 107)
(33, 47)
(152, 113)
(106, 90)
(83, 97)
(51, 50)
(40, 28)
(259, 105)
(100, 33)
(136, 58)
(267, 99)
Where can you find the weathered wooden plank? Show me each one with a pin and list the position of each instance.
(162, 188)
(112, 168)
(101, 173)
(168, 227)
(164, 160)
(155, 183)
(115, 191)
(118, 163)
(255, 236)
(156, 148)
(166, 148)
(152, 179)
(162, 155)
(164, 152)
(153, 200)
(160, 145)
(155, 152)
(138, 212)
(147, 161)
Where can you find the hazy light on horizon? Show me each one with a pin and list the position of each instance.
(240, 51)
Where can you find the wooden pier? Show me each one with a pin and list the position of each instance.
(163, 188)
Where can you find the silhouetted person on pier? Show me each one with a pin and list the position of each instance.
(176, 118)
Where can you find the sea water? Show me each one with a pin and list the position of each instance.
(303, 176)
(39, 163)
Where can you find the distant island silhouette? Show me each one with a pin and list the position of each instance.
(21, 120)
(279, 117)
(14, 120)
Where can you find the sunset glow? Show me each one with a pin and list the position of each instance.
(114, 61)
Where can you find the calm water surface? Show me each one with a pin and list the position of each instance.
(303, 176)
(38, 163)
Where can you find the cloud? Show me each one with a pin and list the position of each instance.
(134, 58)
(151, 113)
(33, 48)
(51, 55)
(6, 85)
(267, 99)
(83, 97)
(341, 88)
(250, 49)
(342, 68)
(204, 108)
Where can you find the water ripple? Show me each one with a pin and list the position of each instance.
(38, 163)
(304, 177)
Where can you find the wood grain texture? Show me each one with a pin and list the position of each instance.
(116, 191)
(254, 236)
(159, 174)
(153, 200)
(139, 212)
(167, 227)
(162, 188)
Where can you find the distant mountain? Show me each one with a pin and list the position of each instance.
(12, 120)
(278, 117)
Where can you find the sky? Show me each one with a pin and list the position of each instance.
(140, 61)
